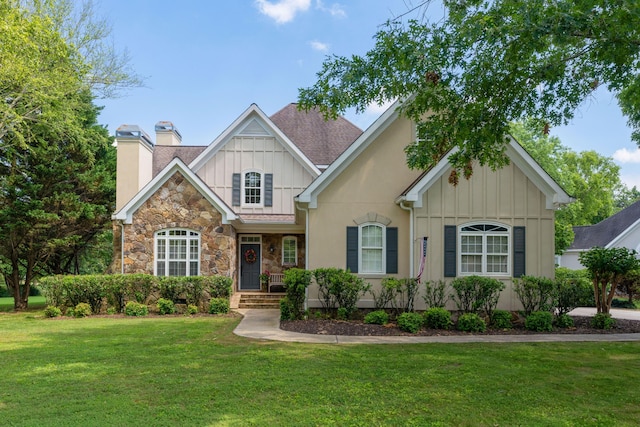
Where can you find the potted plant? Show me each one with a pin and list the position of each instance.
(264, 279)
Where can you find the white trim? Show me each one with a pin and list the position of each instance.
(295, 239)
(243, 194)
(166, 237)
(622, 235)
(252, 113)
(508, 233)
(383, 248)
(310, 194)
(176, 165)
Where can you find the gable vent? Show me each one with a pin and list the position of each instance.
(254, 129)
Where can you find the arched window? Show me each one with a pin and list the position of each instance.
(484, 249)
(372, 248)
(177, 253)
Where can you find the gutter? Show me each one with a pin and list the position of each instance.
(121, 222)
(306, 247)
(411, 237)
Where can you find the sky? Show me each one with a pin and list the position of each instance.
(206, 61)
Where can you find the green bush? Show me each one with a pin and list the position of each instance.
(218, 286)
(166, 306)
(603, 321)
(136, 309)
(437, 318)
(115, 288)
(170, 287)
(218, 306)
(338, 288)
(409, 322)
(476, 293)
(52, 311)
(342, 313)
(564, 321)
(82, 310)
(471, 322)
(539, 321)
(622, 303)
(286, 309)
(378, 317)
(535, 293)
(192, 309)
(53, 291)
(296, 281)
(435, 294)
(501, 319)
(112, 310)
(384, 296)
(573, 289)
(193, 288)
(139, 286)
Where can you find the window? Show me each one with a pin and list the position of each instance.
(484, 249)
(252, 188)
(290, 250)
(177, 253)
(372, 248)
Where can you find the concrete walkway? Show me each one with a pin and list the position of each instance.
(265, 324)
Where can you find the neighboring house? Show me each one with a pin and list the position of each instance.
(294, 190)
(621, 230)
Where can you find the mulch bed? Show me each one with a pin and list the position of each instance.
(582, 325)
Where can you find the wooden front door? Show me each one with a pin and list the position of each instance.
(250, 267)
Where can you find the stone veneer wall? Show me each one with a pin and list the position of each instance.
(177, 204)
(272, 261)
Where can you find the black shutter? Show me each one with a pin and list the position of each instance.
(518, 252)
(352, 249)
(450, 244)
(268, 189)
(392, 250)
(235, 193)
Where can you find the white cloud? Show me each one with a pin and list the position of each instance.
(336, 9)
(319, 46)
(282, 11)
(630, 180)
(377, 109)
(625, 156)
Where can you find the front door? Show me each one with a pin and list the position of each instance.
(250, 266)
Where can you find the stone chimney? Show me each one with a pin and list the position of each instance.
(167, 134)
(134, 162)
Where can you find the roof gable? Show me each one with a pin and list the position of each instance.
(176, 165)
(555, 195)
(253, 122)
(609, 231)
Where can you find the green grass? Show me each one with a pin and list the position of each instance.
(35, 303)
(194, 371)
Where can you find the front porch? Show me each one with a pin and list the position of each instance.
(245, 299)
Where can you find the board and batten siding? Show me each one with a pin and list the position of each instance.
(505, 196)
(260, 153)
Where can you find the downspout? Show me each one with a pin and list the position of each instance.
(121, 246)
(411, 237)
(306, 249)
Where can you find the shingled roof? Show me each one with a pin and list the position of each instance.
(604, 232)
(163, 154)
(320, 140)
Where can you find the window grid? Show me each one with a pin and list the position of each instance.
(484, 249)
(289, 251)
(183, 255)
(371, 249)
(252, 188)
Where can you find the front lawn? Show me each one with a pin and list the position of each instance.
(35, 303)
(195, 371)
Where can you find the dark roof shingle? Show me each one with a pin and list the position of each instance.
(163, 154)
(605, 231)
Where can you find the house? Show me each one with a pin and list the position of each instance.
(621, 230)
(293, 190)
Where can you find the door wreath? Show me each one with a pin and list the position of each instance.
(250, 256)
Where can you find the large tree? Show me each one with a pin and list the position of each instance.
(56, 163)
(464, 78)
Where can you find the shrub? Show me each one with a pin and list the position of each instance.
(170, 287)
(501, 319)
(539, 321)
(573, 289)
(166, 306)
(391, 287)
(535, 293)
(139, 286)
(136, 309)
(82, 310)
(218, 286)
(435, 294)
(286, 309)
(112, 310)
(378, 317)
(115, 289)
(471, 322)
(437, 318)
(409, 322)
(52, 290)
(296, 281)
(219, 306)
(192, 309)
(476, 293)
(564, 321)
(385, 295)
(193, 288)
(327, 279)
(603, 321)
(622, 303)
(52, 311)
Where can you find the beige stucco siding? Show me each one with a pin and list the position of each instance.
(366, 189)
(263, 154)
(505, 196)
